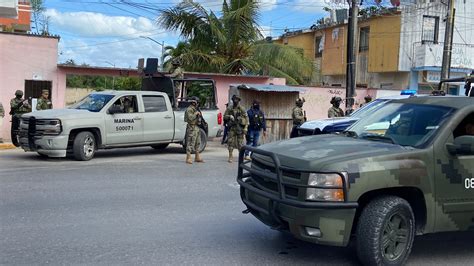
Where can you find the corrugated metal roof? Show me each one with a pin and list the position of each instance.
(268, 88)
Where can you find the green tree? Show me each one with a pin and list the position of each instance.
(39, 19)
(230, 43)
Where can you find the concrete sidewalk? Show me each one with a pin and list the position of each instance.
(7, 146)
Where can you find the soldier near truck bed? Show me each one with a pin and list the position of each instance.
(192, 116)
(237, 119)
(18, 106)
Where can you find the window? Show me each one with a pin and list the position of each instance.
(128, 104)
(34, 88)
(466, 127)
(430, 29)
(93, 102)
(402, 123)
(364, 39)
(154, 103)
(318, 46)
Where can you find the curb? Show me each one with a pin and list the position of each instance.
(7, 146)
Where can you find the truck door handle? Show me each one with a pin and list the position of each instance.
(168, 117)
(137, 118)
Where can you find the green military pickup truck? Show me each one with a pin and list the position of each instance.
(406, 170)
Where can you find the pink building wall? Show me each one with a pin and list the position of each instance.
(318, 99)
(223, 83)
(28, 57)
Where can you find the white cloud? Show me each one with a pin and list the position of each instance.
(267, 5)
(122, 53)
(266, 31)
(313, 6)
(91, 24)
(216, 5)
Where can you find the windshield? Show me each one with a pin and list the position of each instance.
(93, 102)
(404, 124)
(368, 108)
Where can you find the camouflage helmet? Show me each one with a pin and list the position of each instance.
(299, 102)
(18, 93)
(236, 98)
(194, 99)
(335, 99)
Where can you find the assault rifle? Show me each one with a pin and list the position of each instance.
(201, 122)
(14, 110)
(235, 123)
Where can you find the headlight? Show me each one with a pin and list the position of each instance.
(333, 192)
(51, 127)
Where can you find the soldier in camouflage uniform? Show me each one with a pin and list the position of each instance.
(297, 114)
(236, 118)
(43, 102)
(192, 116)
(18, 106)
(177, 72)
(2, 115)
(335, 111)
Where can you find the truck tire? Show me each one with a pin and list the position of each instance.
(203, 145)
(385, 232)
(84, 146)
(160, 146)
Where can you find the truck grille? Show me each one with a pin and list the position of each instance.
(33, 127)
(271, 185)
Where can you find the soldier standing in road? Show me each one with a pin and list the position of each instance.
(193, 134)
(226, 129)
(298, 117)
(2, 115)
(18, 106)
(236, 118)
(176, 72)
(43, 102)
(335, 111)
(256, 124)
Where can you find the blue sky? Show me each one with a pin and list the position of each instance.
(107, 32)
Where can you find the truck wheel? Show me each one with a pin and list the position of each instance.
(385, 232)
(84, 146)
(203, 145)
(160, 146)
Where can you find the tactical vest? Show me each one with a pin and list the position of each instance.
(256, 120)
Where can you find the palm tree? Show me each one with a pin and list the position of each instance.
(231, 43)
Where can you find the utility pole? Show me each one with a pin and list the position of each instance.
(351, 55)
(448, 42)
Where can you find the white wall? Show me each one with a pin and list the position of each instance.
(411, 34)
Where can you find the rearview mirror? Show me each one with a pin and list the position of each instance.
(463, 145)
(114, 109)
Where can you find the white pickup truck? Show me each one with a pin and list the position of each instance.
(102, 120)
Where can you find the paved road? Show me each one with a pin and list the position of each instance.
(141, 206)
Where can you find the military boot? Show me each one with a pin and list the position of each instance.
(189, 160)
(230, 157)
(198, 158)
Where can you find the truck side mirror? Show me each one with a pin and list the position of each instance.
(114, 109)
(463, 145)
